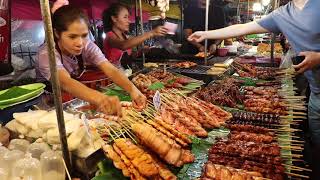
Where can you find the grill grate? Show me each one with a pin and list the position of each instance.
(193, 70)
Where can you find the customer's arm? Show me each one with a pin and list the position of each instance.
(228, 32)
(135, 41)
(187, 33)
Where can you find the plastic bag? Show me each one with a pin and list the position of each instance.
(286, 61)
(19, 64)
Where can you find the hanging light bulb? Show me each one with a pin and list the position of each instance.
(265, 2)
(257, 7)
(103, 35)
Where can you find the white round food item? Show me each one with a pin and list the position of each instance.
(11, 125)
(75, 138)
(49, 120)
(17, 127)
(30, 118)
(9, 158)
(35, 133)
(52, 136)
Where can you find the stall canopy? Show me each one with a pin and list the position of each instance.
(30, 9)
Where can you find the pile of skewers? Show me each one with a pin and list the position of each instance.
(261, 99)
(257, 119)
(224, 93)
(249, 148)
(219, 172)
(256, 148)
(185, 64)
(190, 115)
(160, 138)
(143, 82)
(269, 100)
(164, 79)
(250, 71)
(140, 146)
(135, 162)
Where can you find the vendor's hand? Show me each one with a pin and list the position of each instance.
(311, 60)
(201, 48)
(159, 31)
(213, 49)
(109, 105)
(138, 100)
(198, 36)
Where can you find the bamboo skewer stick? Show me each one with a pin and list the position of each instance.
(293, 155)
(295, 97)
(296, 175)
(296, 167)
(129, 134)
(293, 117)
(299, 113)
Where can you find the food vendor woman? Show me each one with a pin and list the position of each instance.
(117, 46)
(73, 50)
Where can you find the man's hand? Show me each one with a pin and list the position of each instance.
(312, 59)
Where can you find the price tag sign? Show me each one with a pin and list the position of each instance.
(157, 100)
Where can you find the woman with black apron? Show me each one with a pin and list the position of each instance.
(74, 52)
(117, 46)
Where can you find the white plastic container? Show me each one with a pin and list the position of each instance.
(232, 49)
(3, 150)
(52, 166)
(8, 159)
(27, 168)
(4, 171)
(36, 149)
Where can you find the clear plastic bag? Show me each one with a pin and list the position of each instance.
(286, 61)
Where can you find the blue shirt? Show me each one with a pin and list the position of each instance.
(302, 29)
